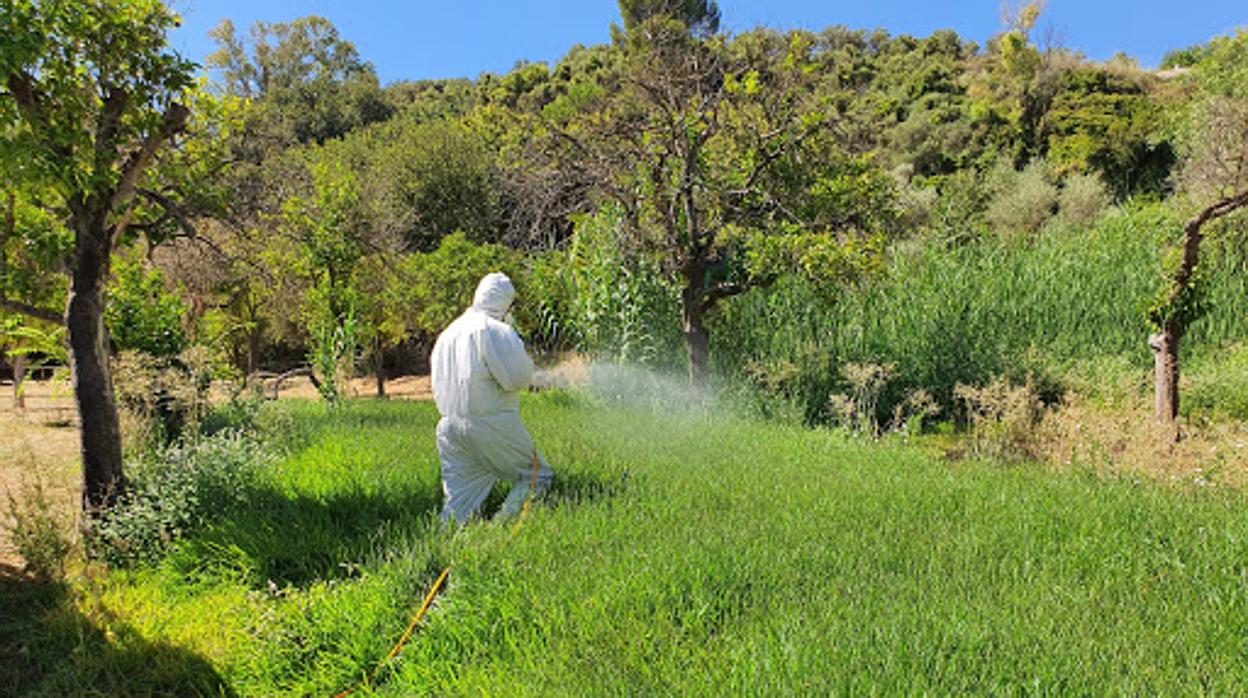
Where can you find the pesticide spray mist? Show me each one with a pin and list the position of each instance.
(627, 385)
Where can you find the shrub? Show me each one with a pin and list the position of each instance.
(1024, 201)
(162, 398)
(958, 212)
(1004, 419)
(1082, 200)
(178, 490)
(37, 533)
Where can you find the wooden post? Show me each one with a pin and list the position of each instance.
(19, 377)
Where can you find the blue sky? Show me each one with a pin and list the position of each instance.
(416, 39)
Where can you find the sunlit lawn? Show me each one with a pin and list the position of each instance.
(686, 553)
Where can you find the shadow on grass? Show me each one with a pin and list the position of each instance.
(277, 539)
(297, 541)
(49, 647)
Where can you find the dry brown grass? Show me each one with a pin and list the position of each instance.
(1123, 438)
(40, 444)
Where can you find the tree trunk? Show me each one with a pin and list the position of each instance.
(102, 477)
(19, 377)
(253, 349)
(380, 365)
(1165, 347)
(697, 337)
(10, 227)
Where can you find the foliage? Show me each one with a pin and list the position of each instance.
(700, 16)
(809, 152)
(1081, 201)
(441, 179)
(1185, 57)
(333, 344)
(177, 491)
(45, 50)
(1024, 201)
(439, 285)
(310, 85)
(164, 397)
(1214, 177)
(33, 241)
(969, 313)
(331, 233)
(22, 337)
(620, 307)
(142, 315)
(1105, 122)
(1223, 68)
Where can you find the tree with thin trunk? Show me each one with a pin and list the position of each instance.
(723, 158)
(91, 95)
(1178, 308)
(1214, 169)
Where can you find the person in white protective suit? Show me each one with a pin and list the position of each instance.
(478, 368)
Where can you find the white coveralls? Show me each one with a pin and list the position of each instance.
(478, 368)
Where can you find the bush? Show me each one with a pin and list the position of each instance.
(179, 490)
(37, 533)
(1024, 201)
(162, 398)
(1004, 419)
(1082, 200)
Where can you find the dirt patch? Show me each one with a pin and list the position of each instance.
(38, 444)
(401, 388)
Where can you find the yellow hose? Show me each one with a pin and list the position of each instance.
(433, 591)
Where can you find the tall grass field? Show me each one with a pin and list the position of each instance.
(678, 554)
(944, 315)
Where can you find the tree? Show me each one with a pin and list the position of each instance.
(437, 178)
(91, 95)
(1215, 174)
(701, 17)
(310, 84)
(331, 232)
(723, 159)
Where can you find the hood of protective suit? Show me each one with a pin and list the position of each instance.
(478, 364)
(494, 295)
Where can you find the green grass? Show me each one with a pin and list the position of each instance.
(693, 554)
